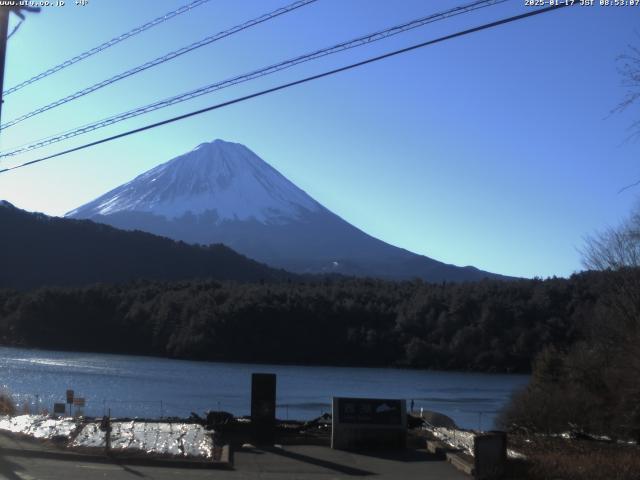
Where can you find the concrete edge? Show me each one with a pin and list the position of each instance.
(440, 448)
(49, 449)
(461, 462)
(226, 457)
(224, 463)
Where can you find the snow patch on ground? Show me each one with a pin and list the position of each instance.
(175, 439)
(156, 438)
(463, 440)
(39, 426)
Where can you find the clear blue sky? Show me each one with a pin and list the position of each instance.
(495, 150)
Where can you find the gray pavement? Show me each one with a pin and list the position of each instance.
(20, 460)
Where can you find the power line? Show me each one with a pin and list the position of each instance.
(105, 45)
(366, 39)
(162, 59)
(486, 26)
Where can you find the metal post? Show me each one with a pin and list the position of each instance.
(108, 434)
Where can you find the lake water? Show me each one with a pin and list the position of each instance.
(154, 387)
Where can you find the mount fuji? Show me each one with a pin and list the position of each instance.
(222, 192)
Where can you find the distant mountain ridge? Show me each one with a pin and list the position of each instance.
(37, 250)
(222, 192)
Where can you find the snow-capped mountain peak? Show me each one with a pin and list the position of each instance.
(222, 177)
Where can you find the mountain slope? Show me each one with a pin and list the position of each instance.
(222, 192)
(37, 250)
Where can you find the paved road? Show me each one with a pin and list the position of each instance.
(21, 460)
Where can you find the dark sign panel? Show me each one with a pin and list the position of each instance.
(370, 411)
(78, 401)
(59, 408)
(263, 397)
(263, 407)
(69, 397)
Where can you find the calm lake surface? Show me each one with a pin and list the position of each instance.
(154, 387)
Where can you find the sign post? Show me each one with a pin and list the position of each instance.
(70, 402)
(78, 403)
(105, 426)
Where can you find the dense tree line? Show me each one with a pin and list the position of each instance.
(593, 385)
(483, 326)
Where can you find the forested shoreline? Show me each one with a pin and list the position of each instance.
(489, 326)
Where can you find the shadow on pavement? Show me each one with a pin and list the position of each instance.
(51, 455)
(130, 470)
(6, 465)
(318, 462)
(8, 469)
(123, 462)
(409, 455)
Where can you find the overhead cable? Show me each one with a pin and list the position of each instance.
(105, 45)
(162, 59)
(291, 84)
(357, 42)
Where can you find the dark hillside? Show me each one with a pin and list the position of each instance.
(38, 250)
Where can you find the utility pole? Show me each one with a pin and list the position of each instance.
(5, 11)
(4, 31)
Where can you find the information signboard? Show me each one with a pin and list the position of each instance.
(370, 411)
(69, 397)
(368, 423)
(59, 408)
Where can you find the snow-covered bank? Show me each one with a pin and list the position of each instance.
(184, 440)
(39, 426)
(175, 439)
(462, 440)
(459, 439)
